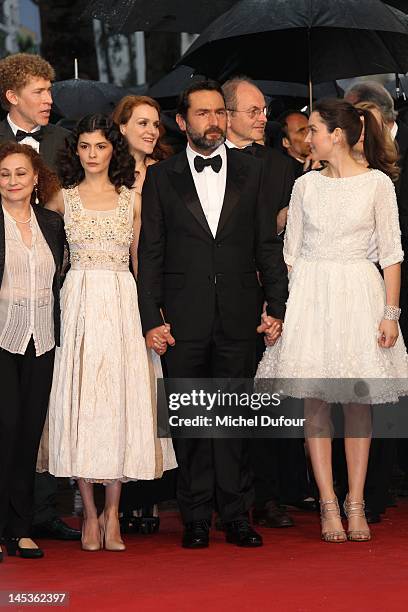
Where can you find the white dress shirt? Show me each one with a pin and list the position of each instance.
(231, 145)
(210, 185)
(28, 141)
(26, 298)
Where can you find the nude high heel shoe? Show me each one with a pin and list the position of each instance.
(111, 544)
(356, 509)
(90, 545)
(330, 509)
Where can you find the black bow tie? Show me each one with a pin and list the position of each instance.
(20, 135)
(201, 162)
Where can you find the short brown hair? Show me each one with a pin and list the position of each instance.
(48, 182)
(123, 112)
(17, 70)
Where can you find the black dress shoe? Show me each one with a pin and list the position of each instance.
(272, 515)
(55, 529)
(129, 523)
(196, 534)
(12, 547)
(149, 520)
(241, 533)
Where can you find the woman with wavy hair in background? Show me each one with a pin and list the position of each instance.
(31, 255)
(138, 118)
(101, 425)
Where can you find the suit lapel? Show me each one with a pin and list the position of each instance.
(2, 244)
(49, 233)
(183, 182)
(236, 176)
(47, 147)
(6, 133)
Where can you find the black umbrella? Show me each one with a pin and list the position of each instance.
(303, 41)
(75, 98)
(173, 83)
(163, 15)
(168, 88)
(402, 5)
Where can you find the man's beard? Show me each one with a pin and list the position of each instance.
(202, 142)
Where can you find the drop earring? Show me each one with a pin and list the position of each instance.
(36, 200)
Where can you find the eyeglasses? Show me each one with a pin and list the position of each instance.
(251, 112)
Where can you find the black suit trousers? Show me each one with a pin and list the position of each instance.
(25, 388)
(213, 473)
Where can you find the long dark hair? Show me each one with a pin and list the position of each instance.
(122, 165)
(48, 184)
(341, 114)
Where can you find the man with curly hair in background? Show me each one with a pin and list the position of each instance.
(25, 92)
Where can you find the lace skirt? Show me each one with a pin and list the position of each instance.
(102, 415)
(331, 332)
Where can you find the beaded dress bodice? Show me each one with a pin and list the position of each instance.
(99, 240)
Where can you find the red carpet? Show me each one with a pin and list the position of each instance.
(293, 572)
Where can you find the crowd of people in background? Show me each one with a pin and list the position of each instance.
(259, 250)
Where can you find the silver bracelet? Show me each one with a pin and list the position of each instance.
(391, 313)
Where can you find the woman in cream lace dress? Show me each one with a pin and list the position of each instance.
(341, 318)
(101, 414)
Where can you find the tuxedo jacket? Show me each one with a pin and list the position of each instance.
(187, 273)
(52, 227)
(402, 183)
(53, 140)
(278, 175)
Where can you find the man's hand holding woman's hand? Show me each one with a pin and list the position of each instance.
(271, 327)
(159, 338)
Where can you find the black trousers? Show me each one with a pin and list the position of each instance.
(279, 465)
(280, 470)
(213, 473)
(45, 498)
(25, 388)
(145, 493)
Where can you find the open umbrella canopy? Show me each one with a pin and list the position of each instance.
(76, 98)
(168, 88)
(303, 40)
(162, 15)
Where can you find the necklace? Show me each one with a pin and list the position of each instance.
(17, 221)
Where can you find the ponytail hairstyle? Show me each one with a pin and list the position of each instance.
(338, 113)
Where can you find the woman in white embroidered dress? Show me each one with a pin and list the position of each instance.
(101, 424)
(341, 318)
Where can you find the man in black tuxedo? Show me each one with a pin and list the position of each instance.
(294, 129)
(25, 92)
(206, 231)
(279, 465)
(383, 451)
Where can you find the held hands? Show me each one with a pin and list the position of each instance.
(158, 338)
(271, 327)
(387, 333)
